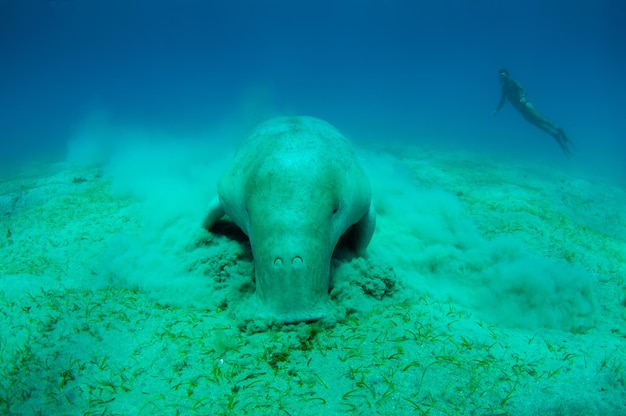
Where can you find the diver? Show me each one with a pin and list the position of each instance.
(516, 95)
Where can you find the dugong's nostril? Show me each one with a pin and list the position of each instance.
(296, 261)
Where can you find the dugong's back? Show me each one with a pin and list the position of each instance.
(302, 134)
(298, 140)
(297, 153)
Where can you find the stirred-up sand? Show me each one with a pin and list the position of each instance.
(490, 288)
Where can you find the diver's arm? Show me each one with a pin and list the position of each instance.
(501, 103)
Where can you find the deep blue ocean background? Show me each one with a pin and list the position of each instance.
(422, 72)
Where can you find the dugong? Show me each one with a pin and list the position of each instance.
(295, 187)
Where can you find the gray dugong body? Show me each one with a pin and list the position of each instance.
(294, 188)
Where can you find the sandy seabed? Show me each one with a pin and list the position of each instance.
(490, 288)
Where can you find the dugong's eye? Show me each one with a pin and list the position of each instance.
(335, 209)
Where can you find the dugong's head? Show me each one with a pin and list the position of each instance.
(298, 208)
(295, 188)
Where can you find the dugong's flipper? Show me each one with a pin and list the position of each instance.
(363, 231)
(215, 212)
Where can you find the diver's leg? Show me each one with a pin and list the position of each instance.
(564, 148)
(561, 139)
(535, 119)
(532, 116)
(566, 141)
(563, 135)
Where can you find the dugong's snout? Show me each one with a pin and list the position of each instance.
(293, 286)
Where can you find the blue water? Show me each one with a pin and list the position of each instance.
(423, 72)
(112, 297)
